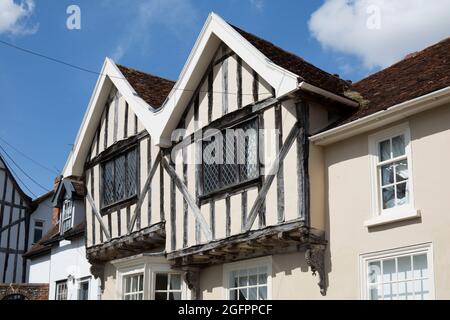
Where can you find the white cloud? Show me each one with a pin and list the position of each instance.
(174, 15)
(257, 4)
(380, 32)
(13, 15)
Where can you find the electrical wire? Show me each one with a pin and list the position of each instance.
(74, 66)
(18, 178)
(29, 158)
(23, 171)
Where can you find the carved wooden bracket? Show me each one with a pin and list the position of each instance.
(97, 270)
(192, 279)
(315, 258)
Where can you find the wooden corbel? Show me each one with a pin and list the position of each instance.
(192, 279)
(315, 258)
(97, 270)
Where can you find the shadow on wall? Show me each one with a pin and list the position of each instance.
(290, 272)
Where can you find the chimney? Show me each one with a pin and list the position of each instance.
(55, 210)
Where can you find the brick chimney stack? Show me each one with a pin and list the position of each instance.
(55, 211)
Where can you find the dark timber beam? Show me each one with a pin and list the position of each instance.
(99, 217)
(190, 200)
(144, 192)
(296, 129)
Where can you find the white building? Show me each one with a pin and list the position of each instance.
(59, 258)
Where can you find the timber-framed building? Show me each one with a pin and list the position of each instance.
(171, 215)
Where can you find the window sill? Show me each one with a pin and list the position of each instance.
(392, 217)
(118, 205)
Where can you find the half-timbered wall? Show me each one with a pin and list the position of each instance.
(119, 129)
(14, 222)
(229, 87)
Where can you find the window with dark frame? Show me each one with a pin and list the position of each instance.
(231, 157)
(61, 290)
(83, 289)
(38, 230)
(168, 286)
(120, 178)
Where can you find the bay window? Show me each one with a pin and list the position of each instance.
(167, 286)
(149, 278)
(133, 287)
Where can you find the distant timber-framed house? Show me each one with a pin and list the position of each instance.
(210, 187)
(15, 210)
(58, 258)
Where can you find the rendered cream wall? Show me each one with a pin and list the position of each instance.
(110, 289)
(291, 279)
(349, 197)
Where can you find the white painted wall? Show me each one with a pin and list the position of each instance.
(42, 213)
(39, 269)
(69, 259)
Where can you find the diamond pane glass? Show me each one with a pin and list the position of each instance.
(230, 167)
(120, 178)
(131, 173)
(108, 180)
(231, 157)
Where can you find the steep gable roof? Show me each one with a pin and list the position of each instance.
(418, 74)
(296, 64)
(44, 245)
(10, 175)
(151, 88)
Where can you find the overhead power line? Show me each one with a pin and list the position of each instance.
(18, 178)
(29, 158)
(48, 58)
(23, 171)
(79, 68)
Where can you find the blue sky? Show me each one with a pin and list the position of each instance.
(42, 103)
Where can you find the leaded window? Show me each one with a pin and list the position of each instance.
(230, 157)
(120, 178)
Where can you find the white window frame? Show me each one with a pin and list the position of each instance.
(57, 284)
(149, 266)
(423, 248)
(81, 281)
(62, 219)
(158, 269)
(131, 275)
(247, 264)
(41, 228)
(378, 214)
